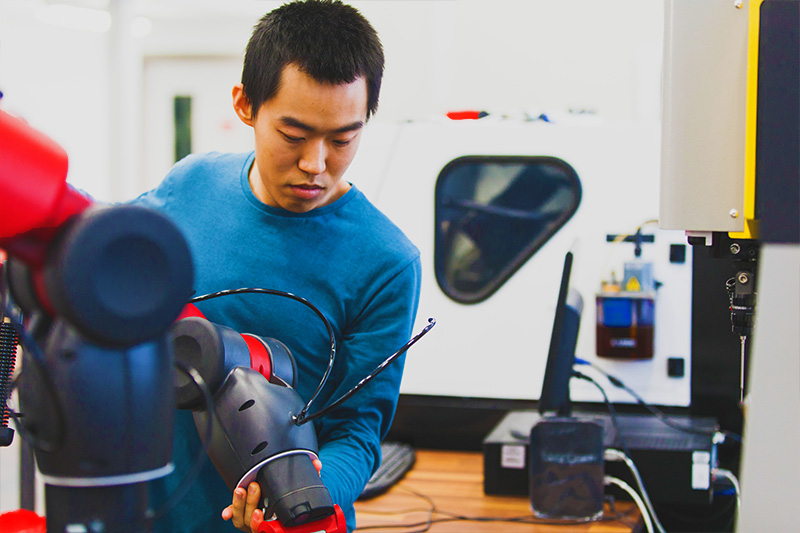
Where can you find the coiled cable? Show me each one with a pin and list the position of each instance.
(8, 356)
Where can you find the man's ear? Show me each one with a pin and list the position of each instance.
(241, 104)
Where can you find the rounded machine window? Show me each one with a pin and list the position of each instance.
(492, 214)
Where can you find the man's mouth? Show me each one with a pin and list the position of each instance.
(306, 191)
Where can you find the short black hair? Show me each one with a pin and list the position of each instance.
(328, 40)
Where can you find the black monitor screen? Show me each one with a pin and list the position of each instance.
(561, 357)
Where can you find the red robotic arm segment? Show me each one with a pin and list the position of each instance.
(36, 198)
(260, 353)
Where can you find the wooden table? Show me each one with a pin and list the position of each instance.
(453, 483)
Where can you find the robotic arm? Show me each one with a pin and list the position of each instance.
(253, 381)
(254, 434)
(104, 291)
(98, 287)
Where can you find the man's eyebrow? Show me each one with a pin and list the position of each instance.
(293, 122)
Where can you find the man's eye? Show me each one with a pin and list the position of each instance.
(291, 139)
(342, 142)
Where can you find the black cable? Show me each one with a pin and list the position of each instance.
(661, 416)
(657, 412)
(202, 454)
(426, 526)
(303, 301)
(611, 410)
(303, 416)
(431, 512)
(452, 517)
(623, 518)
(29, 346)
(378, 370)
(455, 517)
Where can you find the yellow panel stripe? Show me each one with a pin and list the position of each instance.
(751, 224)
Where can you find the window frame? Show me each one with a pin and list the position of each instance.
(525, 253)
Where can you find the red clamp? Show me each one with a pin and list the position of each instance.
(331, 524)
(22, 521)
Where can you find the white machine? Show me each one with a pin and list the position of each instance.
(494, 301)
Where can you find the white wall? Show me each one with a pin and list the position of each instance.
(84, 88)
(56, 79)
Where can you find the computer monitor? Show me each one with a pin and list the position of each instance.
(561, 356)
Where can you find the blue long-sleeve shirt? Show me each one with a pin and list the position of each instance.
(347, 259)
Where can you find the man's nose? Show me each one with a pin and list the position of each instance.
(313, 159)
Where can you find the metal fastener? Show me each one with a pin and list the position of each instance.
(735, 248)
(733, 213)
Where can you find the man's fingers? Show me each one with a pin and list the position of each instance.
(258, 517)
(227, 513)
(237, 507)
(251, 503)
(318, 465)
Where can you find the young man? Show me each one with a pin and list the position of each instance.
(283, 217)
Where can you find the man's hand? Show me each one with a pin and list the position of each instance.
(244, 510)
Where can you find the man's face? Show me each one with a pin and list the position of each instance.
(305, 138)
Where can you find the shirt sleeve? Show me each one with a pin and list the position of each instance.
(349, 436)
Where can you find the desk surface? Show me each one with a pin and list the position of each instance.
(453, 482)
